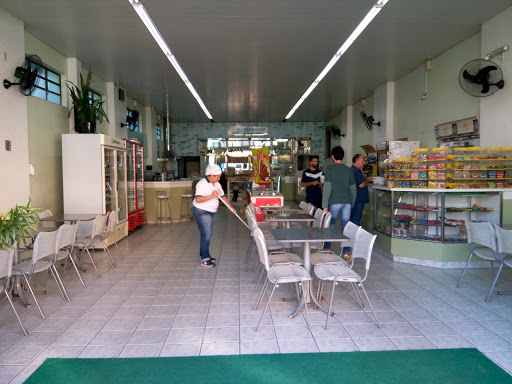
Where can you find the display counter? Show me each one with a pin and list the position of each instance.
(174, 190)
(427, 226)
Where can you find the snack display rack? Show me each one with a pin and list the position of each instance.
(463, 168)
(473, 167)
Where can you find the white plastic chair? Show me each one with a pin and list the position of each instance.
(6, 258)
(111, 229)
(90, 236)
(42, 215)
(322, 257)
(280, 274)
(504, 240)
(64, 246)
(43, 258)
(319, 220)
(337, 273)
(482, 243)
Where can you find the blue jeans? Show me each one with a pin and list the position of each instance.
(205, 221)
(336, 209)
(357, 212)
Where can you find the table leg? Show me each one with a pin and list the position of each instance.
(309, 292)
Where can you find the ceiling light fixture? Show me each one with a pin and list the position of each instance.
(150, 25)
(353, 36)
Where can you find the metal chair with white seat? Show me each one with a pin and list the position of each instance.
(277, 256)
(42, 258)
(6, 259)
(110, 229)
(481, 242)
(322, 257)
(504, 240)
(280, 274)
(64, 246)
(90, 236)
(338, 273)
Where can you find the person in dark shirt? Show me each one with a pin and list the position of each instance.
(312, 181)
(362, 189)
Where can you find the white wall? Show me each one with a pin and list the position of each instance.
(446, 101)
(495, 110)
(14, 185)
(46, 123)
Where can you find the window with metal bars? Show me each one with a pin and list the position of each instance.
(158, 132)
(132, 119)
(47, 86)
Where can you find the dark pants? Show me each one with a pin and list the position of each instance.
(205, 221)
(316, 203)
(357, 212)
(235, 196)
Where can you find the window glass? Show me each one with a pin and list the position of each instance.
(47, 85)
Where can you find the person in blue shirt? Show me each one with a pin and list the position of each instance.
(362, 189)
(312, 181)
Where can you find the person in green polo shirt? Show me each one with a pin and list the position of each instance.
(339, 190)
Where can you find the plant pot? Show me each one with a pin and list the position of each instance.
(85, 127)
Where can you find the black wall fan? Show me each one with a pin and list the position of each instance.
(369, 121)
(27, 75)
(335, 131)
(481, 78)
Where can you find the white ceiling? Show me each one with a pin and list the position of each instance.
(250, 61)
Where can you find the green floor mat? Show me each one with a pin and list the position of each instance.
(439, 366)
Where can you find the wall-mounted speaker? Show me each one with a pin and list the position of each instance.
(121, 94)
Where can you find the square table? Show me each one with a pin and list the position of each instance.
(71, 217)
(307, 235)
(286, 218)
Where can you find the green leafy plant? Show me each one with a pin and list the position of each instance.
(16, 224)
(87, 110)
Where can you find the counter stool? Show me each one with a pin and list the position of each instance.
(187, 205)
(162, 202)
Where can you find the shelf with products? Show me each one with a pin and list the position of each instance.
(433, 215)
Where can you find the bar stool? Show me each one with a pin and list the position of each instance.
(162, 202)
(187, 205)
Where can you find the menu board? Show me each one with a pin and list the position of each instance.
(261, 165)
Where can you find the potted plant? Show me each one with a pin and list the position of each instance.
(16, 225)
(87, 111)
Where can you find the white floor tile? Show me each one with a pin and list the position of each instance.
(158, 301)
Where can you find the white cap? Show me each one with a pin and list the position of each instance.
(213, 169)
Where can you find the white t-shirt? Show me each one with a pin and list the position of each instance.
(205, 188)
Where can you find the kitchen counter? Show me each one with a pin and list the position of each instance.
(168, 184)
(174, 190)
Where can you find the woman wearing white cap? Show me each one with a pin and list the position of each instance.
(204, 207)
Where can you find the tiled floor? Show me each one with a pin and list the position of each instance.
(160, 302)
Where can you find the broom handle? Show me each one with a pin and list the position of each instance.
(239, 218)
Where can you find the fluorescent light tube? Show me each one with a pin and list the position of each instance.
(353, 36)
(150, 25)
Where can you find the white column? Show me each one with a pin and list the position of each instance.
(74, 68)
(495, 111)
(346, 142)
(383, 112)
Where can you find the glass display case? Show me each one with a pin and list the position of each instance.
(433, 215)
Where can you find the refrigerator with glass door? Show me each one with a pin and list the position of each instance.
(94, 175)
(135, 183)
